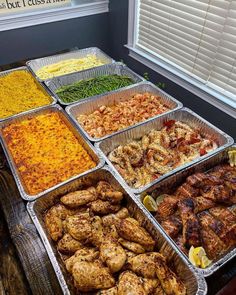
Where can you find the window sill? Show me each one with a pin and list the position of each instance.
(52, 15)
(213, 97)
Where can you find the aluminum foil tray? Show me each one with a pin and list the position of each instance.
(85, 144)
(185, 115)
(168, 186)
(114, 68)
(84, 108)
(36, 64)
(40, 85)
(194, 282)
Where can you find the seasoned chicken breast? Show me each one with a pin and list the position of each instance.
(135, 233)
(170, 283)
(84, 254)
(68, 245)
(112, 254)
(53, 220)
(111, 219)
(79, 227)
(144, 264)
(107, 193)
(111, 291)
(130, 284)
(104, 207)
(90, 276)
(150, 285)
(78, 198)
(132, 246)
(97, 231)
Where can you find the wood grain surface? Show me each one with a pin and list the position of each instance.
(31, 252)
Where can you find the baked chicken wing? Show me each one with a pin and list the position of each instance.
(132, 246)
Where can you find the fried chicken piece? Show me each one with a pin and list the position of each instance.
(130, 284)
(112, 218)
(203, 204)
(191, 228)
(97, 231)
(107, 193)
(224, 214)
(144, 264)
(224, 232)
(112, 254)
(111, 291)
(170, 283)
(84, 254)
(79, 227)
(167, 207)
(150, 285)
(135, 233)
(104, 207)
(172, 226)
(90, 276)
(78, 198)
(68, 245)
(211, 242)
(132, 246)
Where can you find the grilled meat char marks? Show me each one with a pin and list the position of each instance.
(191, 227)
(184, 218)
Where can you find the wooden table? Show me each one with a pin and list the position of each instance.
(24, 265)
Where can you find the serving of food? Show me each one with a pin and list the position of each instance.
(20, 92)
(200, 215)
(93, 86)
(45, 151)
(106, 250)
(160, 151)
(69, 66)
(109, 119)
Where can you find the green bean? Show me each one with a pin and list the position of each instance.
(92, 86)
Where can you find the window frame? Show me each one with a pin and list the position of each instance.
(27, 19)
(171, 71)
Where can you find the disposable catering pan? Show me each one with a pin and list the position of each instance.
(109, 69)
(184, 115)
(36, 64)
(85, 108)
(40, 86)
(171, 183)
(194, 282)
(84, 143)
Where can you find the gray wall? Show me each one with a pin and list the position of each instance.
(46, 39)
(118, 27)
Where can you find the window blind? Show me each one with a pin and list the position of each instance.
(197, 36)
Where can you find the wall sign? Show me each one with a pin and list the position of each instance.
(9, 6)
